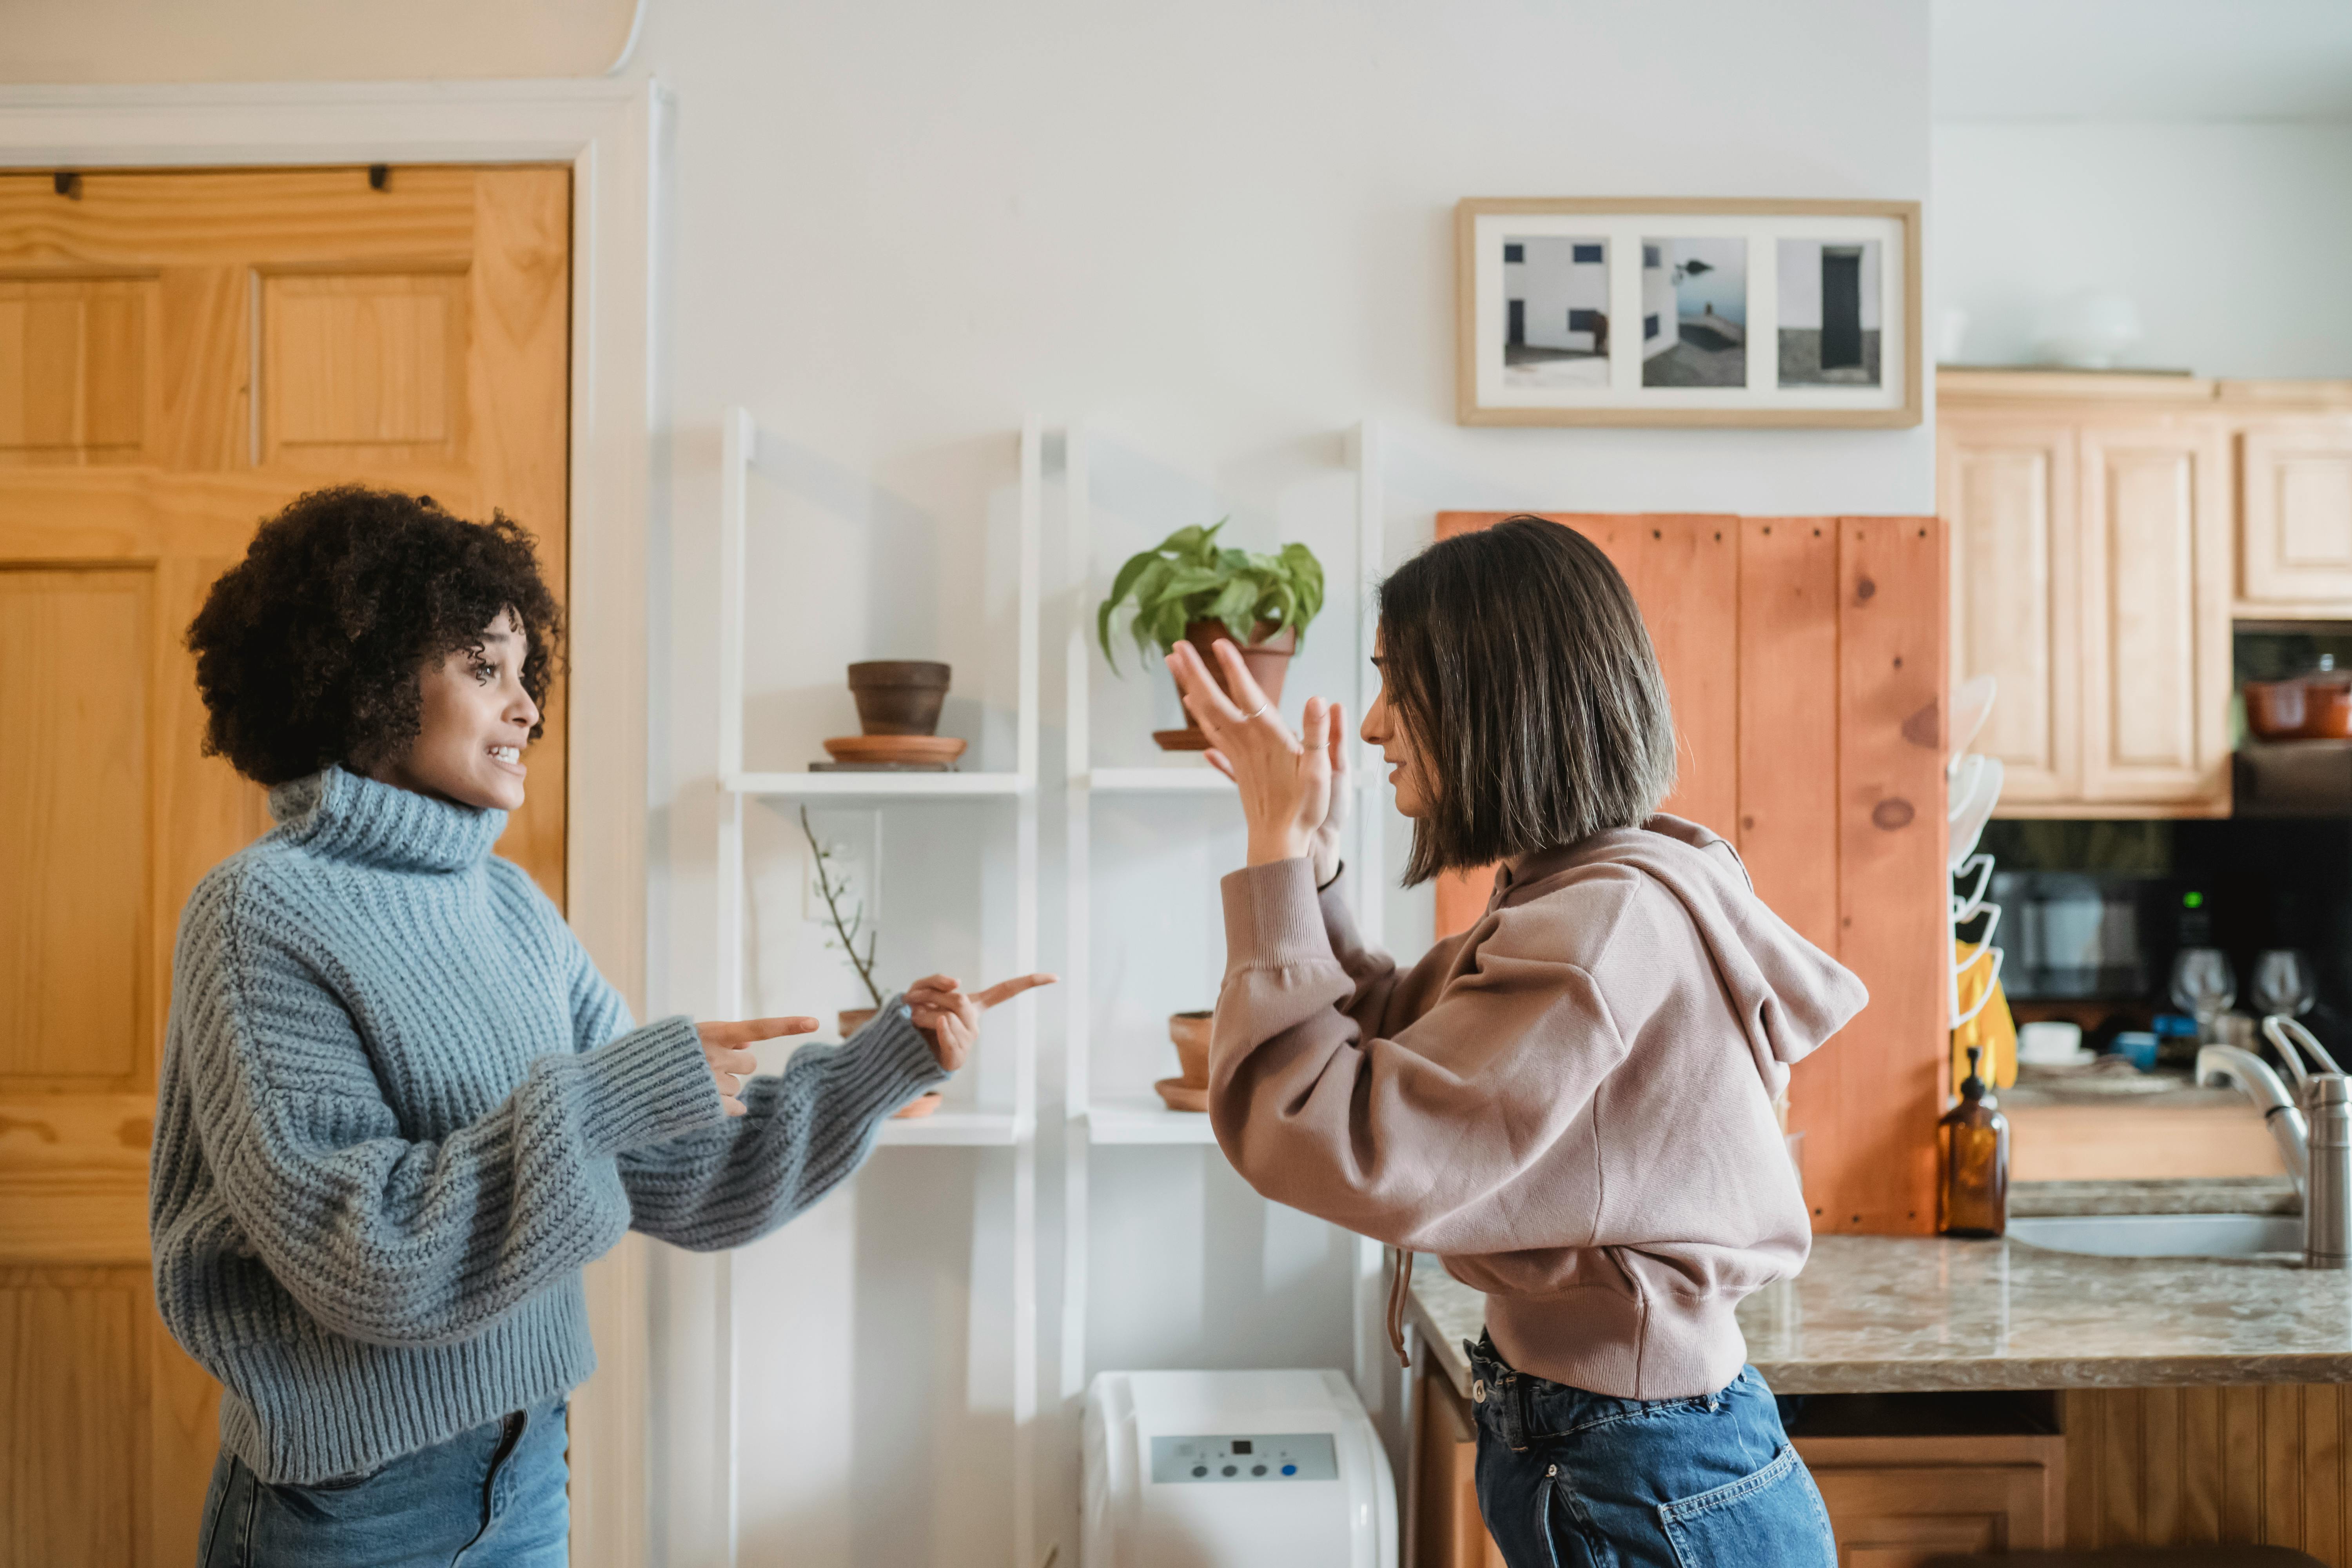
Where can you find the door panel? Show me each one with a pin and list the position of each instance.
(2155, 638)
(181, 355)
(74, 785)
(362, 369)
(2297, 521)
(75, 354)
(2009, 499)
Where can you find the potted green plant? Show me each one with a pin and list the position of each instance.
(1188, 588)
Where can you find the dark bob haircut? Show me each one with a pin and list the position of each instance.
(1518, 666)
(308, 651)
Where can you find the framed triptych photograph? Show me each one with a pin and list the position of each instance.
(1610, 310)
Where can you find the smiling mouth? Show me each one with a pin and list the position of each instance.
(510, 756)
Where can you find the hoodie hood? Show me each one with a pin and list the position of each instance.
(1788, 995)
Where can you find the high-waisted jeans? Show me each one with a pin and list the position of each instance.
(1572, 1480)
(489, 1498)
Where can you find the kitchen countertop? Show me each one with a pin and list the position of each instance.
(1905, 1314)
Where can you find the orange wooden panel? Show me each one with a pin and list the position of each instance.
(1877, 1176)
(1788, 660)
(1685, 574)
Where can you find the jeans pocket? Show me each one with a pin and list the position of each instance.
(1772, 1516)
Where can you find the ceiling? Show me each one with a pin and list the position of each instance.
(2143, 59)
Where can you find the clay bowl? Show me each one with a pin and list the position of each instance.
(898, 696)
(1178, 1095)
(1191, 1032)
(1266, 657)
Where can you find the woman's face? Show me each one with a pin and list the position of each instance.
(477, 720)
(1381, 728)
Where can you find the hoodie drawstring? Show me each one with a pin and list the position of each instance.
(1399, 1281)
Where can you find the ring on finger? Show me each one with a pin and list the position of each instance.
(1260, 708)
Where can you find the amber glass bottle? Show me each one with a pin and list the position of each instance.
(1974, 1137)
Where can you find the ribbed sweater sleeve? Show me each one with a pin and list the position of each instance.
(1415, 1136)
(381, 1237)
(804, 1131)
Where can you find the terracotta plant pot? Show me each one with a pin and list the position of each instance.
(1190, 1092)
(1191, 1032)
(898, 696)
(852, 1019)
(1266, 655)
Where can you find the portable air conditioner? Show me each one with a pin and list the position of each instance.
(1234, 1469)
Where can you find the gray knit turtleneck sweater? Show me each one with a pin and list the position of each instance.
(399, 1110)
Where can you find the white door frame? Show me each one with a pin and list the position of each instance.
(606, 130)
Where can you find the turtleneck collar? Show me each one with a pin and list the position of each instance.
(347, 817)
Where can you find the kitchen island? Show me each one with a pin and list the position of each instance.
(1986, 1395)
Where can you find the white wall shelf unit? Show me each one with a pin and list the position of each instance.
(1129, 1120)
(1012, 1126)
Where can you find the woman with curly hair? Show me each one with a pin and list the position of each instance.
(399, 1108)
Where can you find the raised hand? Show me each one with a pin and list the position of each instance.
(1291, 786)
(949, 1017)
(726, 1050)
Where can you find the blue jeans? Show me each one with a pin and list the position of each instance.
(1572, 1480)
(491, 1498)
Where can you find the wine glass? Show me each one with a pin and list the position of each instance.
(2204, 984)
(2283, 983)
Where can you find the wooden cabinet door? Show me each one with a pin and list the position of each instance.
(180, 356)
(2156, 615)
(2010, 497)
(1898, 1500)
(1896, 1518)
(2294, 550)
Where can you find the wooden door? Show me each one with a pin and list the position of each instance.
(2009, 495)
(2296, 516)
(180, 356)
(2154, 553)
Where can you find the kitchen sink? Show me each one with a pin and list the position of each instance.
(2163, 1234)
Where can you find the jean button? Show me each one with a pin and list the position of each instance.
(1551, 1471)
(1478, 1391)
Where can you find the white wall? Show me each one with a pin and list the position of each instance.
(2229, 236)
(1224, 231)
(307, 40)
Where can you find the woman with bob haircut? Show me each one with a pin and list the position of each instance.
(399, 1108)
(1571, 1101)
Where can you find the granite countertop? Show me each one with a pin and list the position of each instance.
(1899, 1314)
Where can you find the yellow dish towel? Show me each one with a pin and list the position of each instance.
(1993, 1031)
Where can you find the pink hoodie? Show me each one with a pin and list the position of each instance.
(1571, 1101)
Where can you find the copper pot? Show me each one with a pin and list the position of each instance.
(2316, 706)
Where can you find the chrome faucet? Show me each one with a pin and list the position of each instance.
(2312, 1126)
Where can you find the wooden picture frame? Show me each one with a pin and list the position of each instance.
(1832, 287)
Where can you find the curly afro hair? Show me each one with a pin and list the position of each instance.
(308, 651)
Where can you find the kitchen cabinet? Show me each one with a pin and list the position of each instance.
(2294, 544)
(2090, 522)
(1895, 1501)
